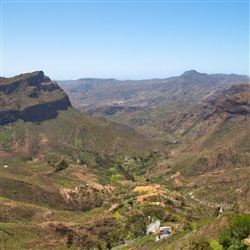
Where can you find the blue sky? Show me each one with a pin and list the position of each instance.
(124, 39)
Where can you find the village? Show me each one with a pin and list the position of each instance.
(145, 193)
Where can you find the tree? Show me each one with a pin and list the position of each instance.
(232, 237)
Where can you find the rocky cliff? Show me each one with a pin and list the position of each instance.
(30, 97)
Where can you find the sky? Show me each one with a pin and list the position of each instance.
(124, 39)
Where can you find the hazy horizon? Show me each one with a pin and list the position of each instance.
(124, 39)
(125, 79)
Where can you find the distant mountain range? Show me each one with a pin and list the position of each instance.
(140, 104)
(88, 93)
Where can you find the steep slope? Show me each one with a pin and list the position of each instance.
(212, 150)
(37, 117)
(196, 122)
(56, 164)
(31, 97)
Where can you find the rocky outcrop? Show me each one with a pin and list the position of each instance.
(233, 101)
(31, 97)
(233, 90)
(9, 85)
(237, 104)
(36, 113)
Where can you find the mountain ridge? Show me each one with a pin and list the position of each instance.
(39, 98)
(140, 104)
(213, 127)
(42, 118)
(87, 93)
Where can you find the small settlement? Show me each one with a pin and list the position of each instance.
(162, 232)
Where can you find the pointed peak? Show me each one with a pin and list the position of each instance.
(190, 73)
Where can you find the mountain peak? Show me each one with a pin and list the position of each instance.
(191, 73)
(31, 97)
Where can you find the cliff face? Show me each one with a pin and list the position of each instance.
(30, 97)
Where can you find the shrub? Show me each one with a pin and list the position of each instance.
(200, 244)
(154, 211)
(240, 226)
(61, 165)
(136, 224)
(231, 238)
(215, 245)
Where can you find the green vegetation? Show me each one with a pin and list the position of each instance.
(61, 166)
(6, 139)
(233, 236)
(215, 245)
(77, 182)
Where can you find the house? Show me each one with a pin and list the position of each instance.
(153, 228)
(166, 230)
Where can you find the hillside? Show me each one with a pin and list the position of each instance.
(37, 117)
(212, 151)
(88, 93)
(57, 164)
(31, 97)
(234, 100)
(71, 181)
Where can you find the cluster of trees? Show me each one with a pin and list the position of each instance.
(231, 238)
(127, 174)
(239, 229)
